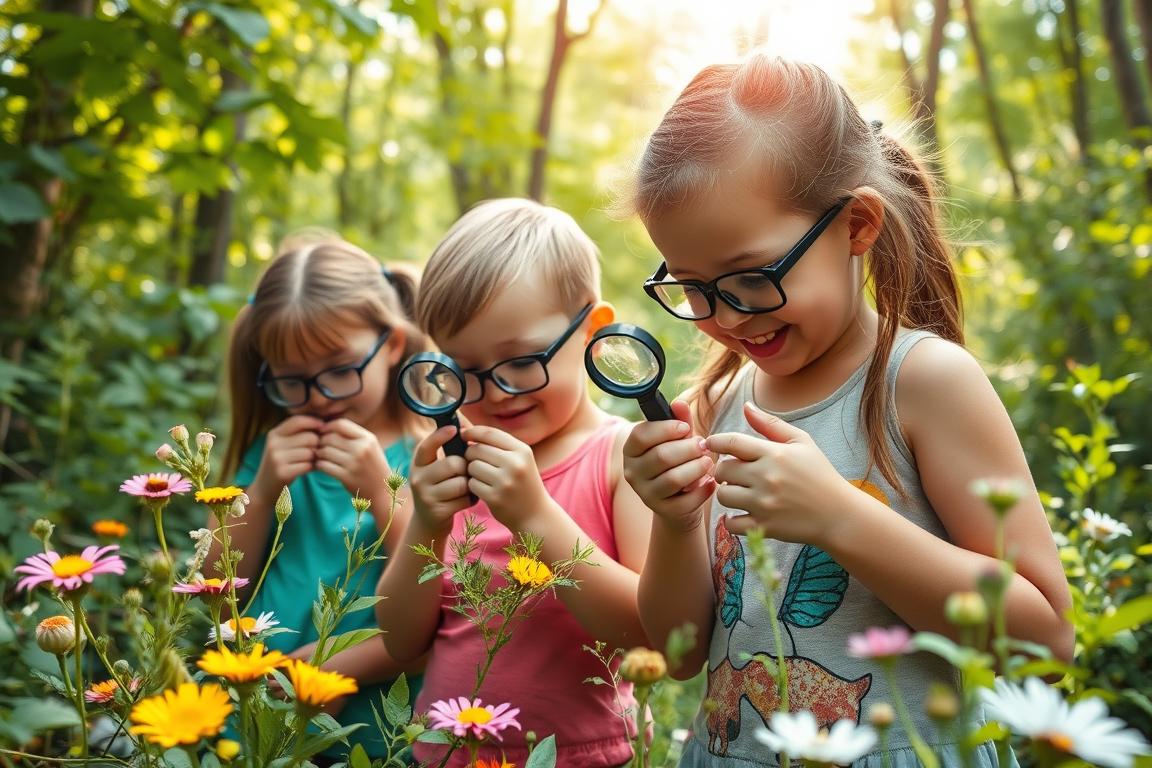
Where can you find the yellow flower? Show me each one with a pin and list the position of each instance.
(227, 749)
(643, 666)
(219, 494)
(241, 667)
(181, 716)
(112, 528)
(529, 572)
(315, 687)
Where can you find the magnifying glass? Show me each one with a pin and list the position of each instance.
(626, 361)
(432, 385)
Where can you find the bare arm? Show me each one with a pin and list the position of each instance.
(665, 464)
(959, 432)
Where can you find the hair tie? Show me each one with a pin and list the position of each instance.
(876, 126)
(251, 298)
(388, 275)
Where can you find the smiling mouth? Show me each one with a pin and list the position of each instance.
(757, 340)
(513, 414)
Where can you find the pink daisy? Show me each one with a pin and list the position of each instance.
(880, 643)
(70, 571)
(157, 485)
(207, 586)
(471, 718)
(102, 693)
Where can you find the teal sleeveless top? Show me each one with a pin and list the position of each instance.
(313, 553)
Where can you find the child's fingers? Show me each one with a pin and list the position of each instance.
(737, 497)
(740, 525)
(428, 449)
(744, 447)
(342, 427)
(682, 477)
(648, 434)
(299, 423)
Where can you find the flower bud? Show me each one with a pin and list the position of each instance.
(361, 505)
(239, 505)
(395, 482)
(122, 669)
(171, 671)
(227, 750)
(165, 453)
(643, 666)
(942, 705)
(993, 582)
(157, 566)
(966, 609)
(283, 505)
(42, 530)
(881, 715)
(132, 599)
(204, 442)
(57, 635)
(179, 433)
(1001, 494)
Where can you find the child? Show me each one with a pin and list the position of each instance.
(314, 409)
(512, 294)
(850, 431)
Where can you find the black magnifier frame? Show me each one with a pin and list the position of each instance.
(444, 415)
(652, 402)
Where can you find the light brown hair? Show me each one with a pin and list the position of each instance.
(317, 286)
(807, 137)
(493, 244)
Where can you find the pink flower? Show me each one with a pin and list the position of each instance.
(102, 693)
(471, 718)
(880, 643)
(158, 485)
(70, 571)
(203, 586)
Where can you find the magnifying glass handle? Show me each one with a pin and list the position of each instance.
(655, 407)
(456, 446)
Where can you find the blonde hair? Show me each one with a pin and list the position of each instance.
(490, 247)
(317, 286)
(806, 137)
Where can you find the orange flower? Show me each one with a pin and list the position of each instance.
(113, 528)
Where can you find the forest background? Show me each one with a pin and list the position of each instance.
(153, 153)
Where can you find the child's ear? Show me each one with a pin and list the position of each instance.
(865, 219)
(601, 315)
(395, 346)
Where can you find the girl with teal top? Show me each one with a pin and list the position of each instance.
(314, 409)
(838, 414)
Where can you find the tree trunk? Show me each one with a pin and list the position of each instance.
(213, 221)
(1143, 9)
(924, 91)
(999, 135)
(346, 177)
(461, 181)
(562, 41)
(1127, 79)
(1072, 56)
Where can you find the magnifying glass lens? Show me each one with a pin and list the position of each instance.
(432, 385)
(625, 361)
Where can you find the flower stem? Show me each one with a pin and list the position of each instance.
(78, 620)
(919, 746)
(158, 519)
(640, 745)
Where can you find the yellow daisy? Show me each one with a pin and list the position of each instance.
(529, 572)
(219, 494)
(182, 716)
(241, 667)
(315, 687)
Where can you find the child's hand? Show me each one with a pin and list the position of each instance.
(502, 472)
(290, 451)
(439, 485)
(669, 468)
(351, 454)
(784, 481)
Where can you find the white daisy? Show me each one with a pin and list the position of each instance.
(1101, 527)
(248, 625)
(798, 736)
(1084, 729)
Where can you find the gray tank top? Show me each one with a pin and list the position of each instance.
(817, 603)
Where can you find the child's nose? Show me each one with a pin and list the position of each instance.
(727, 317)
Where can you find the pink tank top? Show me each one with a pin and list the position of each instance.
(543, 668)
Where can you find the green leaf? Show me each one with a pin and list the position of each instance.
(249, 26)
(361, 603)
(19, 203)
(51, 161)
(397, 710)
(1132, 614)
(544, 755)
(349, 639)
(241, 101)
(356, 18)
(43, 714)
(177, 758)
(358, 758)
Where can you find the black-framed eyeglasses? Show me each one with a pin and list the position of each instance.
(523, 374)
(337, 383)
(751, 291)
